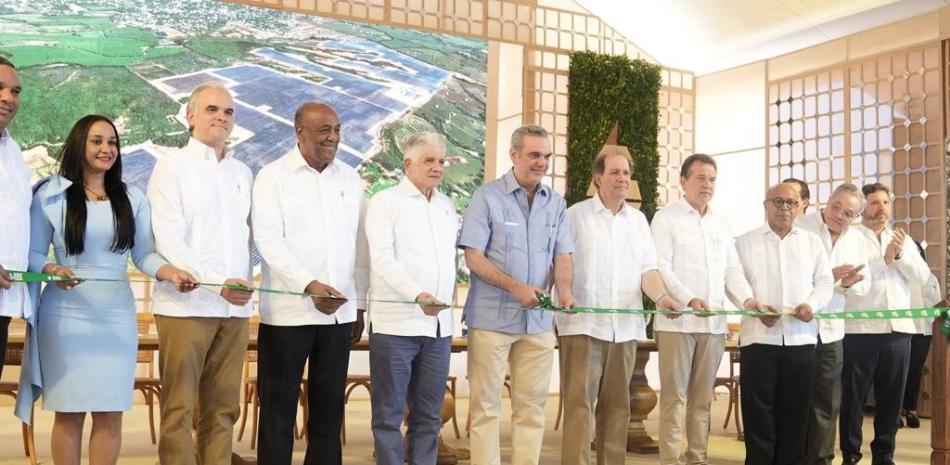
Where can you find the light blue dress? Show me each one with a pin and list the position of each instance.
(87, 338)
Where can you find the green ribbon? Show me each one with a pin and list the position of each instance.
(32, 277)
(849, 315)
(546, 303)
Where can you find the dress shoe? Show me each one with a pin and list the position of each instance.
(913, 421)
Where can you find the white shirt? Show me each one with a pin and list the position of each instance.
(925, 296)
(784, 272)
(611, 253)
(697, 258)
(412, 250)
(890, 284)
(306, 226)
(847, 250)
(15, 195)
(200, 210)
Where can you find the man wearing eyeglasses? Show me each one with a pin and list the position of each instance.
(788, 270)
(878, 351)
(845, 251)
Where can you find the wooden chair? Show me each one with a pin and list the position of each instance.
(14, 357)
(150, 385)
(731, 383)
(352, 382)
(455, 424)
(249, 388)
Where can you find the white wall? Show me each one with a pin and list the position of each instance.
(730, 126)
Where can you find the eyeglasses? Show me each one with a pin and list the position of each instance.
(779, 202)
(838, 210)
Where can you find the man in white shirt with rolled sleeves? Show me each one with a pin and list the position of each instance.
(878, 351)
(615, 265)
(845, 250)
(411, 229)
(15, 215)
(697, 257)
(307, 211)
(788, 270)
(201, 198)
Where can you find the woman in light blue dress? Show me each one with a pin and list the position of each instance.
(86, 330)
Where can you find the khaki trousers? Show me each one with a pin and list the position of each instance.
(199, 359)
(595, 372)
(530, 358)
(688, 366)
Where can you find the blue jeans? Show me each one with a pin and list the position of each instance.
(407, 370)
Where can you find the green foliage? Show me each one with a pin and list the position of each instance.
(49, 111)
(604, 90)
(80, 40)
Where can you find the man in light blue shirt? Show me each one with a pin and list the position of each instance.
(515, 242)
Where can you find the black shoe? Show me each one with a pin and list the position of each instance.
(913, 421)
(851, 461)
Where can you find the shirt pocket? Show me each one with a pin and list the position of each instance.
(242, 194)
(550, 232)
(514, 240)
(688, 252)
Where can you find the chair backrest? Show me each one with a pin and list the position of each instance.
(14, 357)
(144, 321)
(254, 324)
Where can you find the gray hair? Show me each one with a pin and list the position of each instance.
(414, 145)
(193, 99)
(517, 137)
(852, 190)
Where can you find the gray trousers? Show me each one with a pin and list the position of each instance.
(825, 404)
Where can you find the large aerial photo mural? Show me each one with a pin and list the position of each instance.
(136, 61)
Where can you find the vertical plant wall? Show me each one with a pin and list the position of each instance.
(604, 90)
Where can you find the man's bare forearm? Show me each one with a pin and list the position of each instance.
(652, 285)
(564, 273)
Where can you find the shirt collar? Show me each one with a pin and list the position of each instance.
(295, 161)
(407, 188)
(766, 230)
(205, 152)
(683, 206)
(511, 184)
(4, 136)
(600, 207)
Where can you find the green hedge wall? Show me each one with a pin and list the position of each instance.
(604, 90)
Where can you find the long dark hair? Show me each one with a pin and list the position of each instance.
(72, 158)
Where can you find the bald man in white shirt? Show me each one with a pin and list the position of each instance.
(15, 196)
(308, 206)
(788, 270)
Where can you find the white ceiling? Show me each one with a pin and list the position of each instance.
(705, 36)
